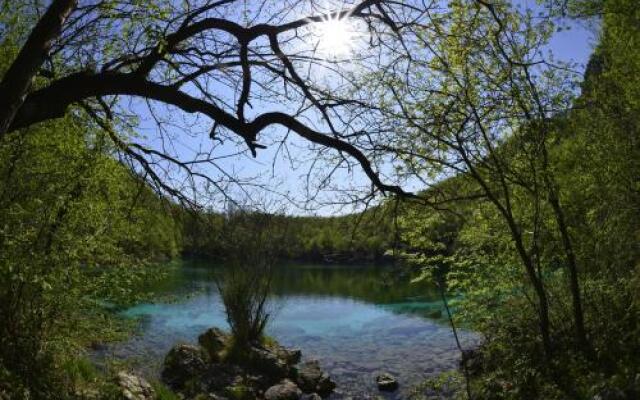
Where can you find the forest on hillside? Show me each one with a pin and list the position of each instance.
(527, 219)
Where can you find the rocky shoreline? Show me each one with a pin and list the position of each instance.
(202, 367)
(214, 370)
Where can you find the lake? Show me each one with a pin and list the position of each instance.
(356, 320)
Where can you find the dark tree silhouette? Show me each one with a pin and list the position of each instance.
(90, 55)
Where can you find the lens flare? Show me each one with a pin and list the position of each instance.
(335, 36)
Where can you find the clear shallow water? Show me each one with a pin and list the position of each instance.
(357, 321)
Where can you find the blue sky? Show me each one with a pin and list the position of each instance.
(286, 177)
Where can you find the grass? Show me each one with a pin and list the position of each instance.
(163, 392)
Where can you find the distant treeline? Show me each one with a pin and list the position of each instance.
(351, 238)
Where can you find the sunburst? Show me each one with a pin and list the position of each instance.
(335, 36)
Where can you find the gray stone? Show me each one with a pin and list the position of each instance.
(312, 379)
(289, 356)
(183, 363)
(386, 382)
(268, 363)
(286, 390)
(214, 340)
(218, 376)
(134, 387)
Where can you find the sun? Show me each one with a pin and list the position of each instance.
(335, 36)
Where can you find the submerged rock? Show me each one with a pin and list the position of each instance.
(312, 379)
(183, 363)
(286, 390)
(214, 340)
(386, 382)
(134, 387)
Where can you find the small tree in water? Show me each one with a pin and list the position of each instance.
(253, 243)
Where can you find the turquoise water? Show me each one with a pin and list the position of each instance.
(357, 321)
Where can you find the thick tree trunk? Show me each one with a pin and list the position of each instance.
(18, 78)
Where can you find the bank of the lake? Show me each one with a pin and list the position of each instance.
(357, 321)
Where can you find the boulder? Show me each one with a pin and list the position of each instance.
(134, 387)
(268, 363)
(288, 356)
(183, 363)
(244, 373)
(258, 381)
(216, 377)
(286, 390)
(386, 382)
(310, 378)
(214, 340)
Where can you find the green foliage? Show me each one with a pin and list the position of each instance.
(594, 158)
(448, 385)
(77, 231)
(351, 238)
(162, 392)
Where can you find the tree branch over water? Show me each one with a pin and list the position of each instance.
(197, 58)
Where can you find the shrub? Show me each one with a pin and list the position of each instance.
(252, 242)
